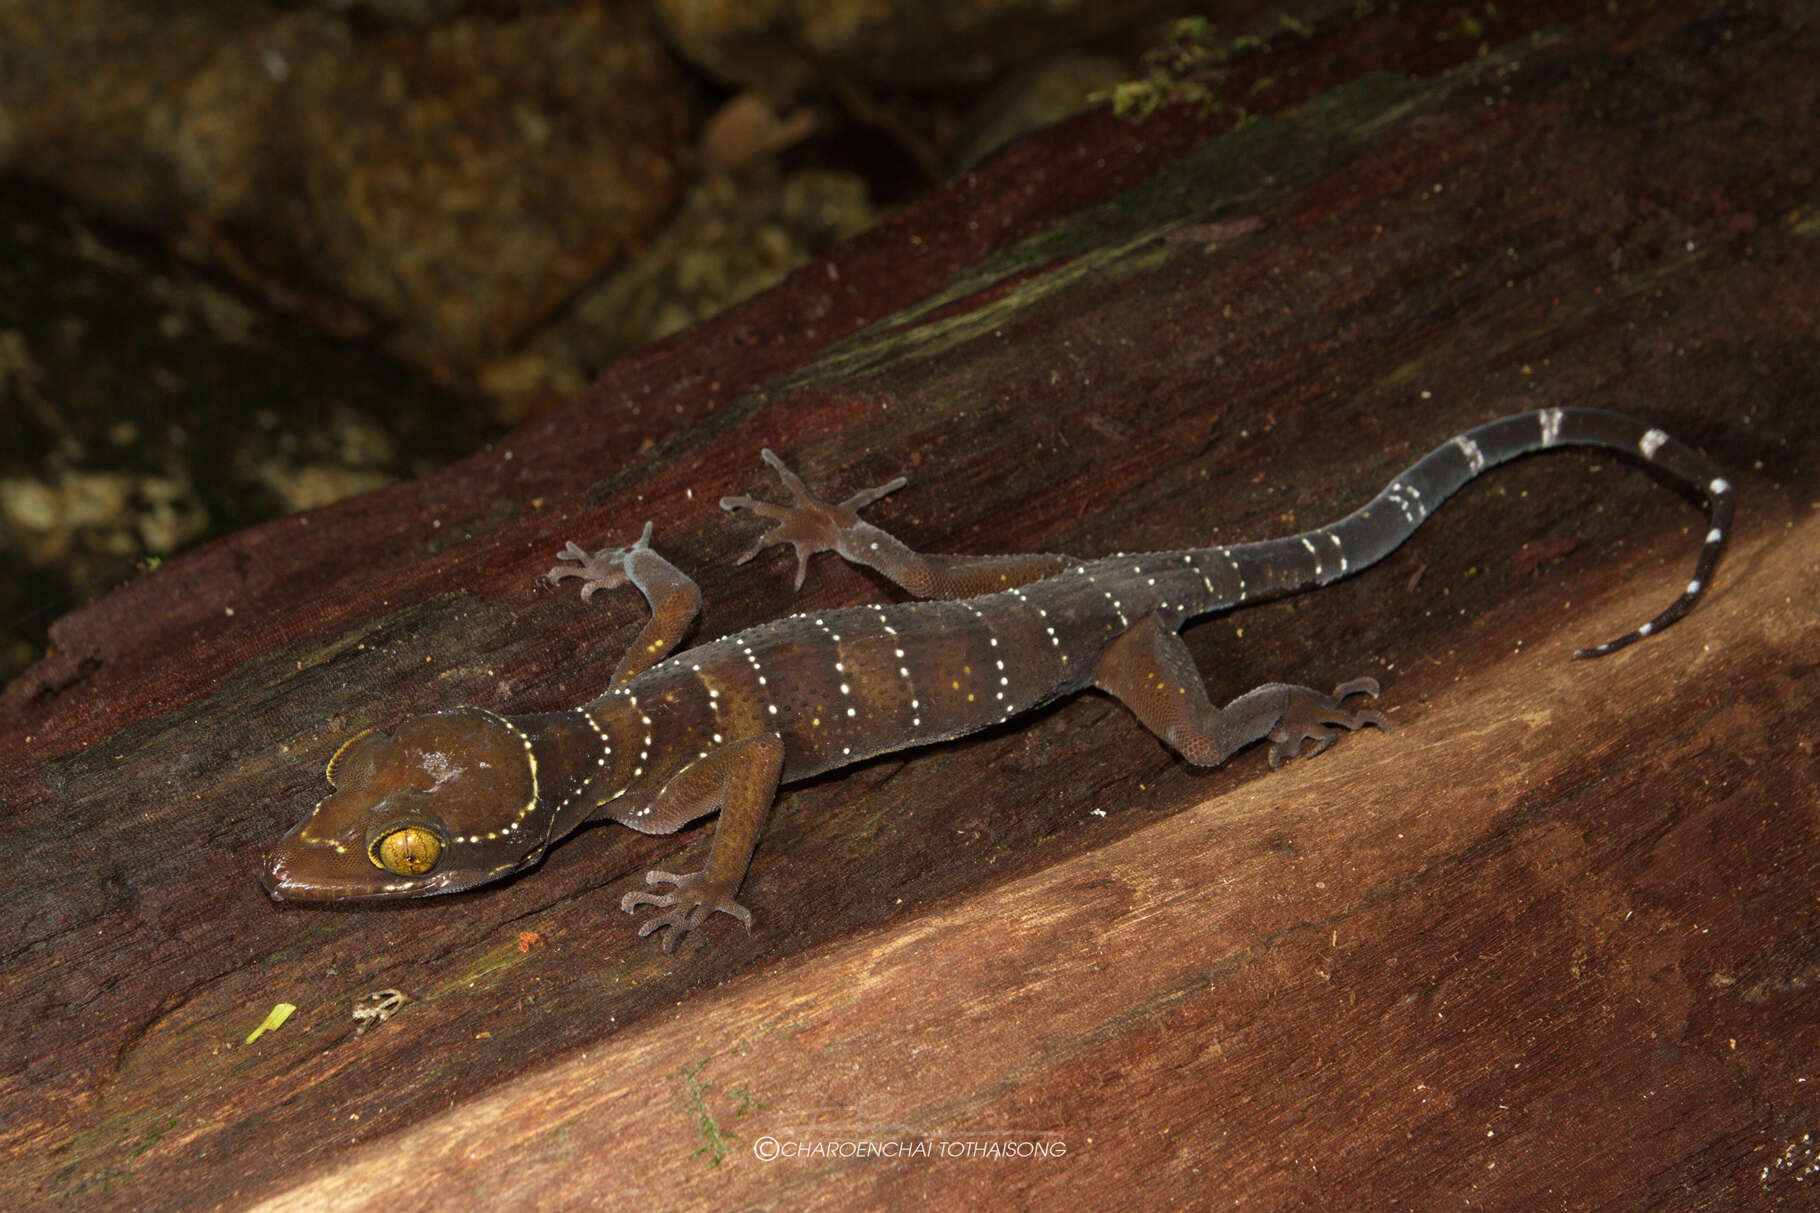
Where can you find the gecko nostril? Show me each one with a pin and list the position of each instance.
(273, 876)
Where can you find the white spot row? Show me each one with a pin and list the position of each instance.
(903, 670)
(745, 649)
(1475, 458)
(1055, 641)
(600, 760)
(1407, 498)
(524, 810)
(998, 660)
(644, 754)
(1308, 545)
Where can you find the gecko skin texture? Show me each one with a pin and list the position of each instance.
(454, 799)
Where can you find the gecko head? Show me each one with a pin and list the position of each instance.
(442, 802)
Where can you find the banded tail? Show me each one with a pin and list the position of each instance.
(1373, 531)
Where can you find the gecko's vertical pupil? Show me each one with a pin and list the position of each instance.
(410, 851)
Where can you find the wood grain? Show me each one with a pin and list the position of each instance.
(1549, 943)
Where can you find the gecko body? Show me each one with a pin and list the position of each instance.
(454, 799)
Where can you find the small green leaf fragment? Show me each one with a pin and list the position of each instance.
(281, 1012)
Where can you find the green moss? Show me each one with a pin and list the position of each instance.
(715, 1139)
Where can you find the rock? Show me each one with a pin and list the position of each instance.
(781, 46)
(456, 183)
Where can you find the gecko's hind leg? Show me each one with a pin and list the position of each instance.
(810, 525)
(1150, 671)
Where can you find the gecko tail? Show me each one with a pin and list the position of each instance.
(1719, 496)
(1682, 466)
(1367, 535)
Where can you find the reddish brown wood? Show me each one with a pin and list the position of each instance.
(1300, 993)
(1548, 943)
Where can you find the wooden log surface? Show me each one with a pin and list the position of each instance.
(1548, 943)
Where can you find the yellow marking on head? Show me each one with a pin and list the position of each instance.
(304, 835)
(342, 749)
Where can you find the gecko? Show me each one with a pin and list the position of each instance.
(458, 798)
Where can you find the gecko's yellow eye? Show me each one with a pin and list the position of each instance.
(407, 851)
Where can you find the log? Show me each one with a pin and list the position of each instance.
(1549, 942)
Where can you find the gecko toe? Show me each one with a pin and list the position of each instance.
(693, 900)
(1287, 743)
(794, 483)
(866, 497)
(1357, 686)
(1311, 716)
(808, 524)
(763, 509)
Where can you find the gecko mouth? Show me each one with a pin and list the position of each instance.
(290, 874)
(283, 881)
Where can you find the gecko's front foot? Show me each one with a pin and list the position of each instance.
(1311, 715)
(688, 906)
(808, 523)
(604, 570)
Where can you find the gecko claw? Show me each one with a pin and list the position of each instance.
(1312, 716)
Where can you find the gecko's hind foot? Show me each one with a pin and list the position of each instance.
(687, 906)
(604, 570)
(1312, 716)
(808, 524)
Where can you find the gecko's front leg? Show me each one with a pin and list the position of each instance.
(674, 599)
(740, 778)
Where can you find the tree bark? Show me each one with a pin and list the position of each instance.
(1548, 943)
